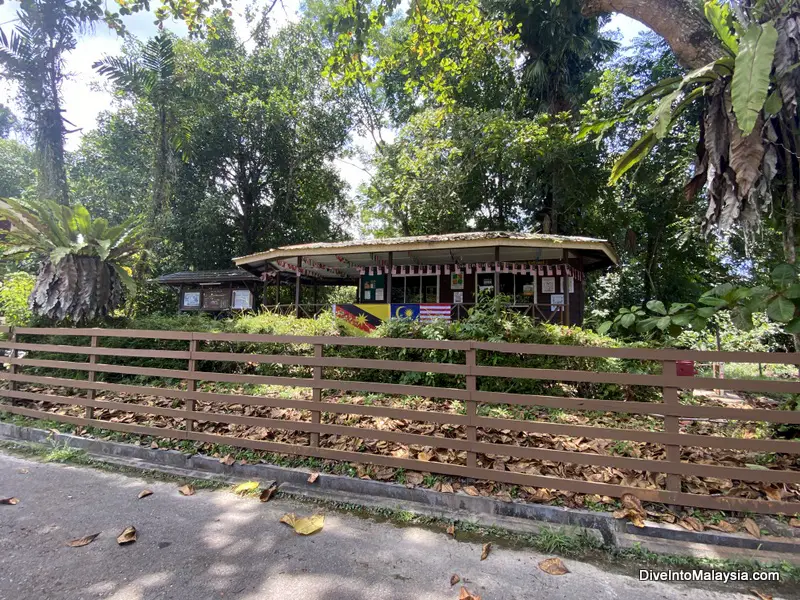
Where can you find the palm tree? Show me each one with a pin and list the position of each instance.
(84, 262)
(560, 51)
(150, 75)
(33, 57)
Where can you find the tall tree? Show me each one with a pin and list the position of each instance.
(560, 51)
(468, 169)
(33, 56)
(264, 132)
(150, 75)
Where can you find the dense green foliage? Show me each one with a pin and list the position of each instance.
(14, 291)
(485, 115)
(486, 322)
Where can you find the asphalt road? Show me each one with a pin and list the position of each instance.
(218, 545)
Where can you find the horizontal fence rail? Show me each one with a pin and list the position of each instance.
(468, 366)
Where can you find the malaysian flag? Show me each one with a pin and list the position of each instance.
(430, 312)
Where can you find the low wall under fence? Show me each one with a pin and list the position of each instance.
(465, 431)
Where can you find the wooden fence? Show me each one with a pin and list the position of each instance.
(470, 370)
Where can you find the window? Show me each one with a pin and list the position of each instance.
(429, 288)
(506, 284)
(525, 289)
(413, 289)
(398, 290)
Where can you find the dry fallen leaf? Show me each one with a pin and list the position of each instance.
(187, 490)
(87, 539)
(145, 493)
(633, 503)
(695, 523)
(553, 566)
(447, 488)
(247, 486)
(9, 501)
(424, 456)
(774, 494)
(751, 527)
(267, 494)
(470, 489)
(465, 594)
(762, 596)
(304, 525)
(451, 529)
(487, 548)
(454, 579)
(127, 536)
(722, 526)
(794, 522)
(154, 445)
(227, 460)
(415, 478)
(313, 477)
(632, 514)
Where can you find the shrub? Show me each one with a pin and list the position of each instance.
(14, 292)
(490, 321)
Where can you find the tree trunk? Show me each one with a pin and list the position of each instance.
(160, 167)
(680, 22)
(51, 170)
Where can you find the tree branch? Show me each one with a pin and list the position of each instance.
(680, 22)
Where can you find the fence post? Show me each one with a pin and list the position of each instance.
(472, 435)
(90, 393)
(191, 385)
(316, 395)
(12, 385)
(670, 399)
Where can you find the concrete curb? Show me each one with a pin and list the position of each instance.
(516, 516)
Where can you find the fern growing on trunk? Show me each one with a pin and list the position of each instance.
(84, 268)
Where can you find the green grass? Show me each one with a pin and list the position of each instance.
(65, 454)
(73, 456)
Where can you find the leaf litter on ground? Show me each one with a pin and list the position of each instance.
(465, 594)
(267, 493)
(246, 487)
(553, 566)
(85, 540)
(486, 550)
(127, 536)
(304, 525)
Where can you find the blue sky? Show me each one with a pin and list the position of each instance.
(85, 96)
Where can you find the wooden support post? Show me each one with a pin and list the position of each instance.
(297, 287)
(315, 299)
(567, 316)
(191, 384)
(316, 395)
(471, 405)
(92, 375)
(13, 369)
(388, 298)
(671, 425)
(496, 272)
(277, 289)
